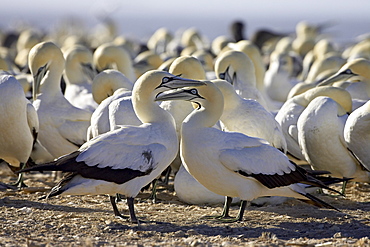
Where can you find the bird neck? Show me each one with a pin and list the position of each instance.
(147, 110)
(74, 75)
(50, 84)
(204, 117)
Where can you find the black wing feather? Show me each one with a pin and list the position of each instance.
(68, 163)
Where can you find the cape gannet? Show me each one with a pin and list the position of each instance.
(238, 69)
(62, 126)
(357, 72)
(19, 125)
(230, 163)
(115, 85)
(357, 134)
(110, 56)
(78, 75)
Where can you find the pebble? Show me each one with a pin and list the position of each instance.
(26, 210)
(179, 233)
(226, 243)
(192, 232)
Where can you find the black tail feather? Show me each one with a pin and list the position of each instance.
(317, 202)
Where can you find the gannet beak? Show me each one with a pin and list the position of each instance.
(88, 70)
(181, 94)
(37, 80)
(340, 76)
(179, 82)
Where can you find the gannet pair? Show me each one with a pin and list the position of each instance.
(19, 125)
(62, 126)
(230, 163)
(128, 158)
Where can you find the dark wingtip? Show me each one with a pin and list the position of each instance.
(317, 202)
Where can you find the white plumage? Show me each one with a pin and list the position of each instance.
(249, 117)
(357, 133)
(118, 87)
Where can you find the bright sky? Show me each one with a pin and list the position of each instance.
(144, 16)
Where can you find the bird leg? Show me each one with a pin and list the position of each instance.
(115, 209)
(344, 185)
(118, 197)
(167, 175)
(19, 183)
(153, 194)
(342, 192)
(225, 211)
(243, 204)
(130, 203)
(241, 211)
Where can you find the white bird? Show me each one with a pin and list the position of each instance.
(238, 69)
(19, 125)
(356, 77)
(249, 117)
(230, 163)
(357, 133)
(289, 113)
(126, 159)
(279, 79)
(116, 85)
(320, 131)
(62, 126)
(78, 74)
(110, 56)
(188, 67)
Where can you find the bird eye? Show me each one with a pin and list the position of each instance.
(165, 79)
(347, 71)
(222, 76)
(194, 91)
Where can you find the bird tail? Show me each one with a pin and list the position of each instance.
(316, 201)
(324, 182)
(64, 163)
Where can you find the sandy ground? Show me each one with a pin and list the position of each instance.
(89, 221)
